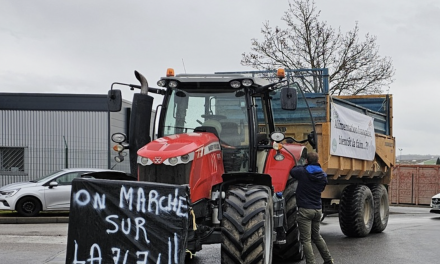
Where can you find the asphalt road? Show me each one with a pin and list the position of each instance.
(412, 236)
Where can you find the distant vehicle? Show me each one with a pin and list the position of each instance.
(435, 204)
(51, 192)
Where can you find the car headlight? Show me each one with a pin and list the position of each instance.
(9, 193)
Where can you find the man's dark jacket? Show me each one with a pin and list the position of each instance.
(311, 182)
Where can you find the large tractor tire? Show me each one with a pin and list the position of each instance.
(292, 250)
(356, 211)
(381, 207)
(247, 225)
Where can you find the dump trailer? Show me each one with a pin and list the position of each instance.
(225, 136)
(357, 186)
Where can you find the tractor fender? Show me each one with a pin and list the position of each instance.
(279, 170)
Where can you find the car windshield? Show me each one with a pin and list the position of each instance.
(44, 178)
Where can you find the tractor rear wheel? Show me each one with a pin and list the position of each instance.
(247, 225)
(356, 211)
(292, 250)
(381, 207)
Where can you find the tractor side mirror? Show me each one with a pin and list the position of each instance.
(289, 98)
(114, 100)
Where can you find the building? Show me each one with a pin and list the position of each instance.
(42, 133)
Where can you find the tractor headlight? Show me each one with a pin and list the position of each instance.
(279, 157)
(119, 137)
(144, 161)
(173, 161)
(184, 158)
(277, 136)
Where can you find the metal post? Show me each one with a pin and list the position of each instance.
(66, 152)
(400, 159)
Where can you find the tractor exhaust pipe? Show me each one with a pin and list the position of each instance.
(140, 120)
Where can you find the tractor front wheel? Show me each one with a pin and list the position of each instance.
(247, 225)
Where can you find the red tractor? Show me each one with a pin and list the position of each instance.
(216, 134)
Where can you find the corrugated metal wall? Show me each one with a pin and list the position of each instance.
(45, 136)
(414, 184)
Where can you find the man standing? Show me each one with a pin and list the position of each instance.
(311, 182)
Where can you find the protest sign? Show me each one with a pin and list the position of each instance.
(123, 222)
(352, 134)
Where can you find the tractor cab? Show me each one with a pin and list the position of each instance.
(234, 107)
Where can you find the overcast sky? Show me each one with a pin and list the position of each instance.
(82, 46)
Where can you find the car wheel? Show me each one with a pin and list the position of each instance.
(28, 206)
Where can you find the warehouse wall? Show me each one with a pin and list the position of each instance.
(42, 133)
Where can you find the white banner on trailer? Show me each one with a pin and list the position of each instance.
(352, 134)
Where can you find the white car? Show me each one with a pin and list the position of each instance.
(435, 204)
(49, 193)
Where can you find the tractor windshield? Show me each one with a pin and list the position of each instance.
(223, 109)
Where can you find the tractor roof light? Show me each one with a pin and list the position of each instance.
(172, 84)
(247, 82)
(235, 84)
(170, 72)
(161, 83)
(281, 73)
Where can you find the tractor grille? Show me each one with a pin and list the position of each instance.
(435, 200)
(162, 173)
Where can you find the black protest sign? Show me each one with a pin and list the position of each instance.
(123, 222)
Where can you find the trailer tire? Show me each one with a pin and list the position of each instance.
(247, 225)
(292, 250)
(381, 207)
(356, 211)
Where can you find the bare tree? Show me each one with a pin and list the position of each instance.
(355, 66)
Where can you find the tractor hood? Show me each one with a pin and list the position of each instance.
(160, 150)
